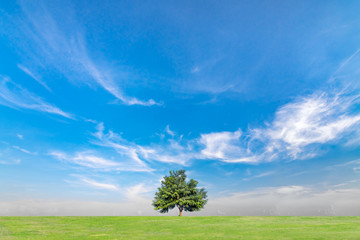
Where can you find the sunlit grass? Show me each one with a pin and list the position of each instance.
(179, 228)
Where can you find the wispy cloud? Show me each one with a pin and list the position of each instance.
(99, 185)
(354, 165)
(169, 131)
(8, 157)
(135, 192)
(116, 142)
(65, 49)
(195, 69)
(32, 75)
(86, 159)
(10, 162)
(14, 96)
(174, 149)
(22, 150)
(298, 131)
(92, 160)
(299, 128)
(261, 175)
(347, 61)
(171, 152)
(295, 190)
(346, 164)
(224, 146)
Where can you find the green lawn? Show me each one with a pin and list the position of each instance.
(179, 228)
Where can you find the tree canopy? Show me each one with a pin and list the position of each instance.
(176, 192)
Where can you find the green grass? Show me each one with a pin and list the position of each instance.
(179, 228)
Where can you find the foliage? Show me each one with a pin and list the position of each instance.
(176, 192)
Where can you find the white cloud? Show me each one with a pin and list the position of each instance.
(347, 61)
(55, 45)
(14, 96)
(32, 75)
(99, 185)
(171, 152)
(86, 159)
(195, 69)
(345, 164)
(22, 150)
(298, 131)
(317, 119)
(135, 192)
(116, 142)
(226, 147)
(261, 175)
(220, 144)
(169, 157)
(91, 160)
(104, 79)
(20, 136)
(300, 128)
(130, 156)
(168, 131)
(291, 190)
(10, 162)
(9, 156)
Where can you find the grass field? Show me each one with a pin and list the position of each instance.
(179, 228)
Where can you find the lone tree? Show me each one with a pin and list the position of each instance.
(175, 191)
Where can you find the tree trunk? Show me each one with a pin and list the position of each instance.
(180, 210)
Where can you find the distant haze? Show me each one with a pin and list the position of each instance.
(271, 203)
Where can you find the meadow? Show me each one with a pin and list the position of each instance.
(179, 228)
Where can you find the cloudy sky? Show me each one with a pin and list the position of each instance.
(258, 100)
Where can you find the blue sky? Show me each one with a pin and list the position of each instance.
(257, 100)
